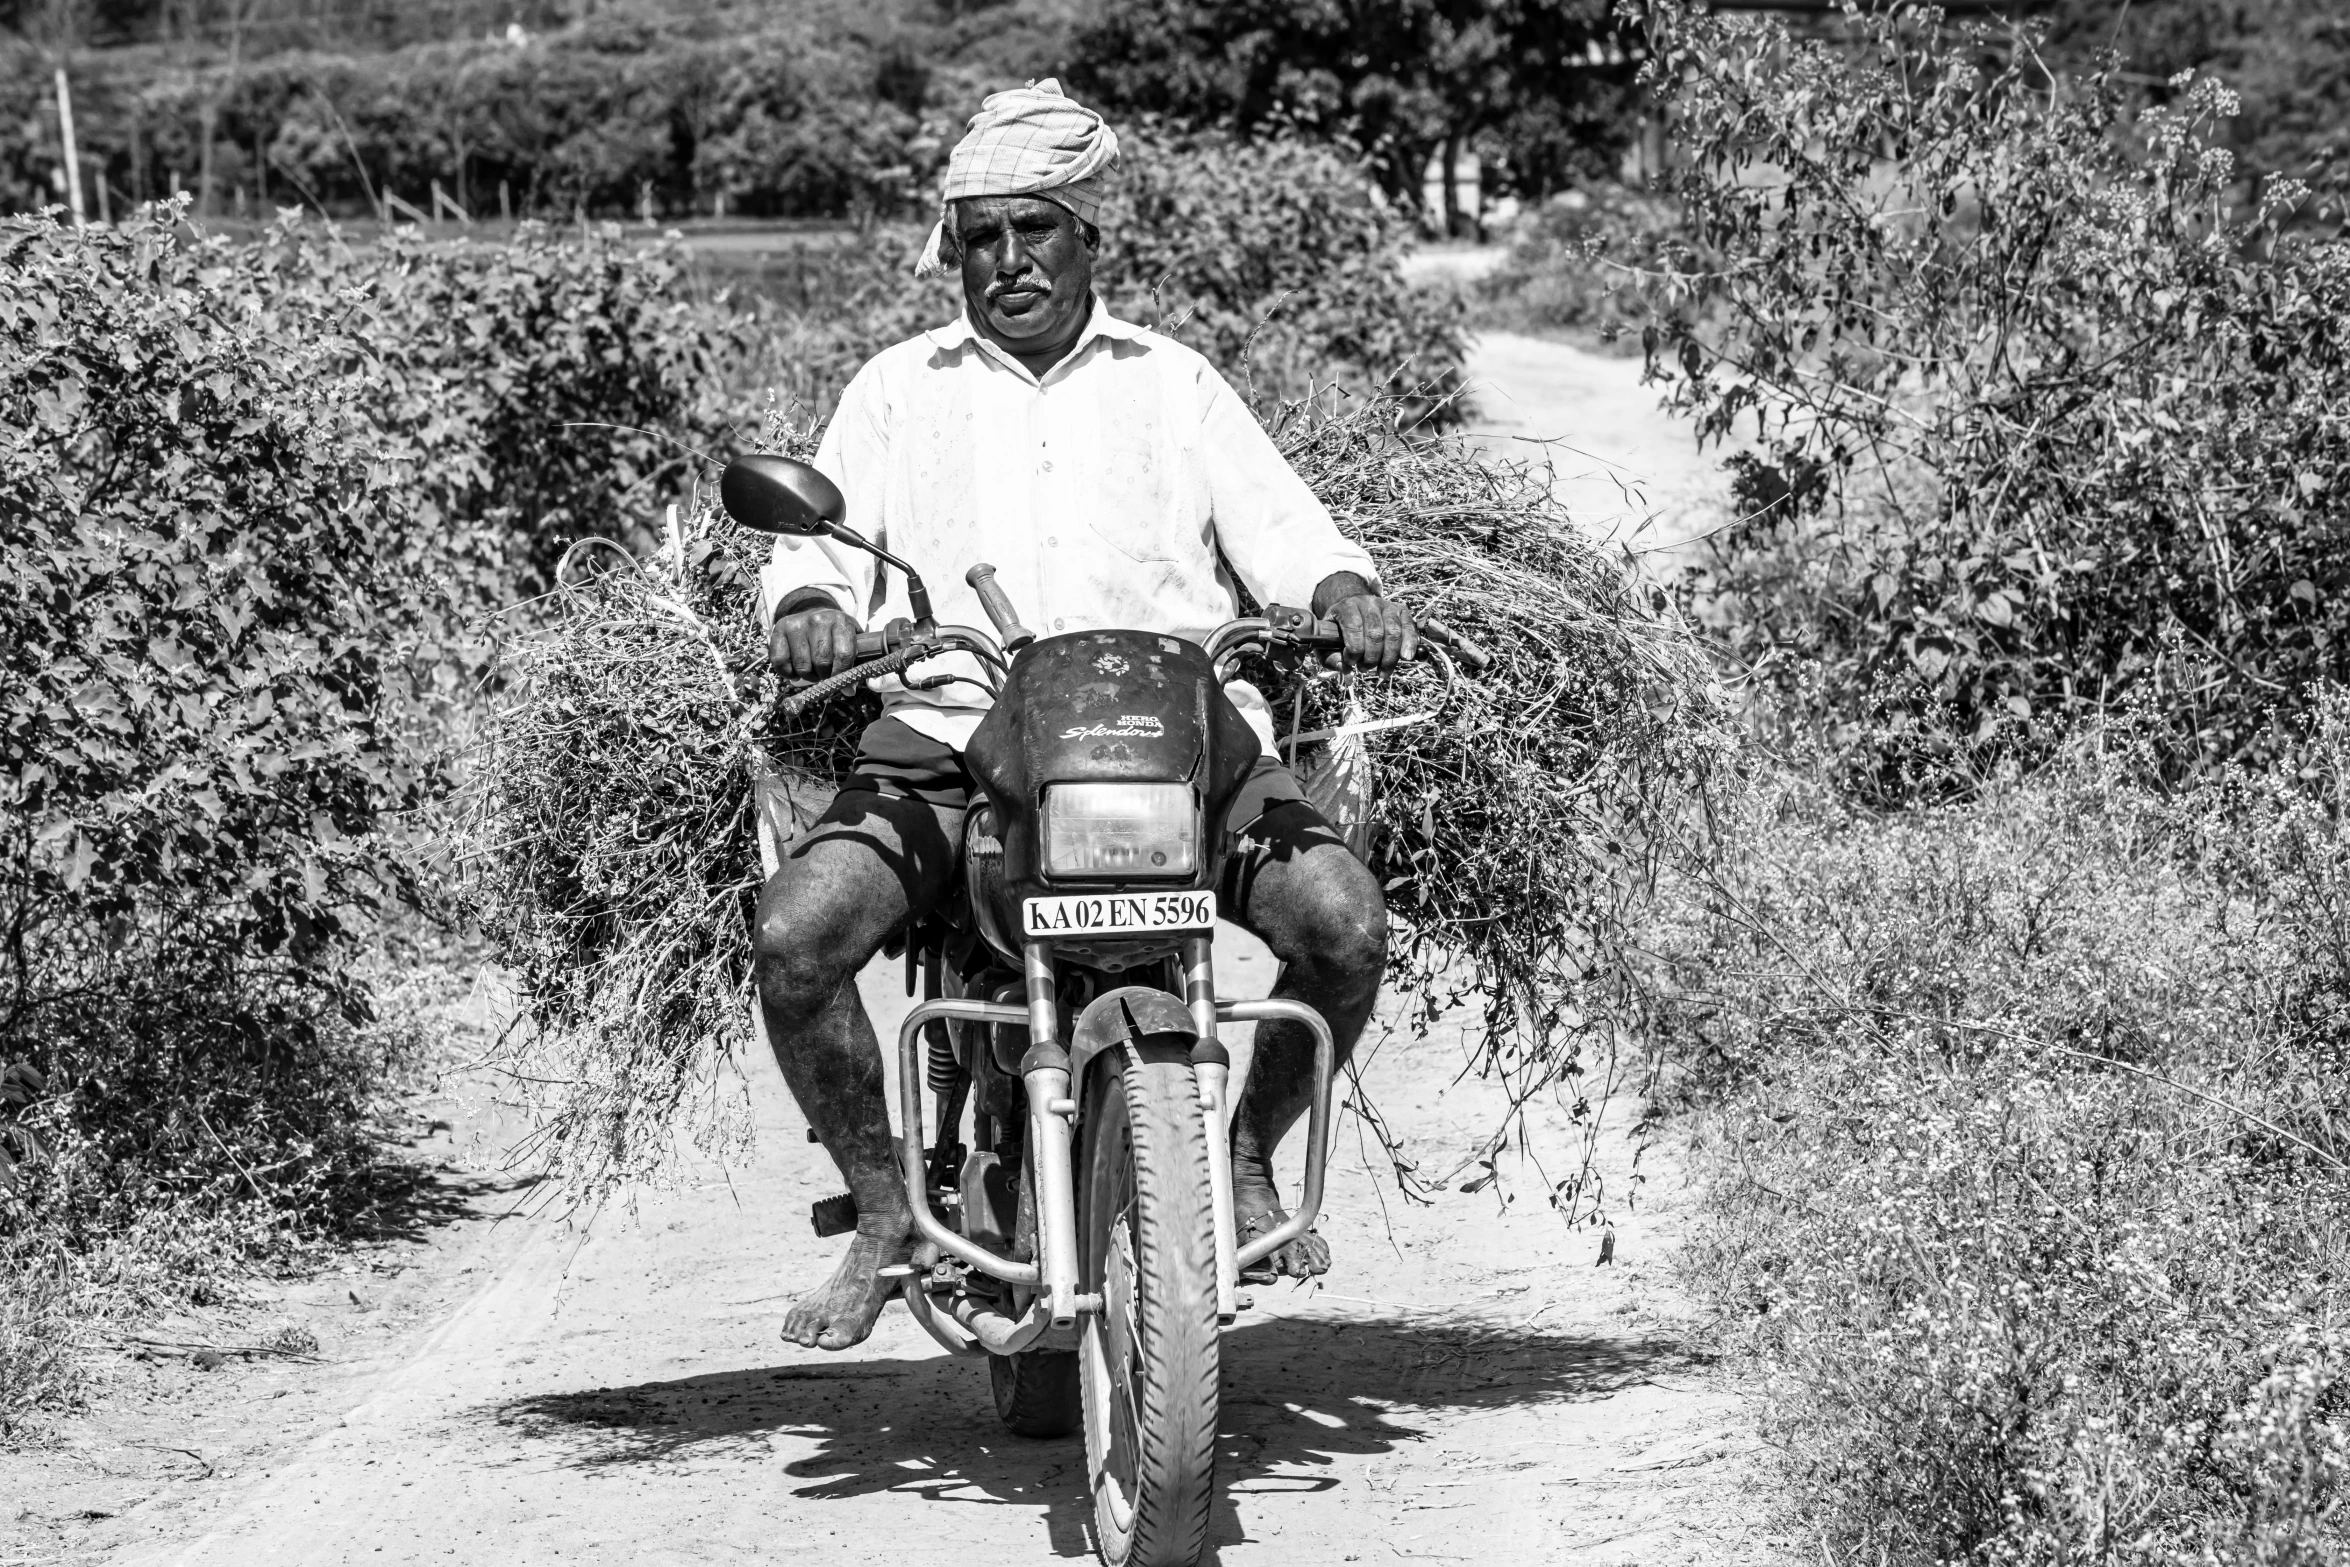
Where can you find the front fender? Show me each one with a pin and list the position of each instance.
(1130, 1015)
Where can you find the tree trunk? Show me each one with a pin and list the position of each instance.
(239, 13)
(1403, 175)
(209, 118)
(1452, 185)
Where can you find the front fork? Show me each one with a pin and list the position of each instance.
(1211, 1066)
(1052, 1117)
(1052, 1127)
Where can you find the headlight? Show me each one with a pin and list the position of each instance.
(1120, 830)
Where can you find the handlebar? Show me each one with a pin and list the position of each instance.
(1303, 627)
(899, 645)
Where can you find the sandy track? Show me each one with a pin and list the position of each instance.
(1625, 469)
(1469, 1386)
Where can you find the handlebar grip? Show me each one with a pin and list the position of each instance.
(871, 644)
(848, 679)
(999, 608)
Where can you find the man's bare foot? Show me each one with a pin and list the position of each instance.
(841, 1312)
(1257, 1211)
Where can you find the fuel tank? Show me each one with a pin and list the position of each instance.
(1110, 706)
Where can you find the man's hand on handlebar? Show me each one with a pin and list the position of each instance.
(810, 642)
(1378, 632)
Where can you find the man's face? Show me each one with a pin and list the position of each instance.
(1027, 269)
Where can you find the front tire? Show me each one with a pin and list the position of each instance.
(1148, 1362)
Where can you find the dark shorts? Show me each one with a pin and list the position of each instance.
(1271, 815)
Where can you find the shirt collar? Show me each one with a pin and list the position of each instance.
(960, 333)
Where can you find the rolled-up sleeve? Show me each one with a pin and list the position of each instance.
(1275, 531)
(854, 454)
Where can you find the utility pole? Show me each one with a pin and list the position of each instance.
(73, 157)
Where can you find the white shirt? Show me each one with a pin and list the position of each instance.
(1122, 490)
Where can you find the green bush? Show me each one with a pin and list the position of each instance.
(2028, 1181)
(260, 496)
(2042, 422)
(560, 384)
(217, 575)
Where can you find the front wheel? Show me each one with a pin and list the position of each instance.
(1148, 1361)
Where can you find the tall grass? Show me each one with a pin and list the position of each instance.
(2028, 1159)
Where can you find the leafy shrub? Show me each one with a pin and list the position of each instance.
(258, 493)
(1566, 270)
(2030, 1182)
(2287, 57)
(2045, 423)
(559, 385)
(216, 571)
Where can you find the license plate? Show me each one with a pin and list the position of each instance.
(1119, 914)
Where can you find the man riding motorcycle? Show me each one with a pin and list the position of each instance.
(1114, 475)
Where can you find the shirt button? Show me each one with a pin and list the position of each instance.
(1059, 624)
(1048, 467)
(1052, 542)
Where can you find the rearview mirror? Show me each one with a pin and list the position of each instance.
(772, 494)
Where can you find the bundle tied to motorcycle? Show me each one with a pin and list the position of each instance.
(1516, 818)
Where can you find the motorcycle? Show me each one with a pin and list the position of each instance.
(1072, 1204)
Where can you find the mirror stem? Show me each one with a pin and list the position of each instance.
(917, 596)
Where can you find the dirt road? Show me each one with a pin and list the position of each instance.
(1470, 1386)
(1625, 469)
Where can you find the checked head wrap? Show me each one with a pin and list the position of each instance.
(1030, 141)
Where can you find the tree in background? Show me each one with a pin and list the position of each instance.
(2045, 417)
(629, 109)
(1541, 88)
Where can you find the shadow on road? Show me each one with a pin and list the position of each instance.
(1299, 1393)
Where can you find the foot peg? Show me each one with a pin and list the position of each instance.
(834, 1215)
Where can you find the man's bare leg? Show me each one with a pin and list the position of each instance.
(839, 893)
(1319, 910)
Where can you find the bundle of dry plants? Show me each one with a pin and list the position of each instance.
(1515, 819)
